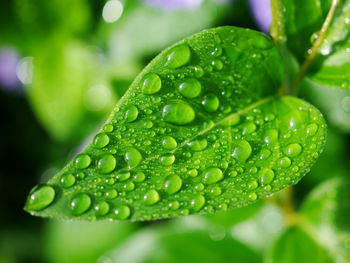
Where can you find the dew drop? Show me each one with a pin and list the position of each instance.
(106, 163)
(172, 184)
(241, 151)
(132, 157)
(215, 190)
(169, 143)
(178, 56)
(131, 113)
(212, 175)
(252, 184)
(192, 172)
(311, 129)
(266, 176)
(271, 136)
(122, 176)
(178, 112)
(139, 177)
(151, 197)
(41, 197)
(210, 102)
(252, 196)
(198, 144)
(167, 159)
(248, 128)
(67, 180)
(264, 154)
(101, 208)
(197, 202)
(122, 212)
(293, 149)
(151, 83)
(198, 71)
(108, 128)
(80, 203)
(174, 205)
(101, 140)
(284, 162)
(111, 194)
(190, 88)
(82, 161)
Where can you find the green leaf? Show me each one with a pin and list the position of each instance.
(168, 150)
(302, 21)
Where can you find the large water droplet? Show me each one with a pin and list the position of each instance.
(271, 136)
(167, 159)
(197, 202)
(211, 102)
(311, 129)
(169, 143)
(106, 163)
(67, 180)
(80, 203)
(132, 157)
(212, 175)
(101, 140)
(101, 208)
(198, 144)
(151, 197)
(178, 112)
(151, 83)
(293, 149)
(241, 151)
(122, 212)
(82, 161)
(172, 184)
(266, 176)
(41, 197)
(123, 176)
(131, 113)
(248, 128)
(190, 88)
(139, 177)
(284, 162)
(178, 56)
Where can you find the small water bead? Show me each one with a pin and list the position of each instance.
(190, 88)
(252, 196)
(151, 197)
(252, 184)
(122, 212)
(106, 163)
(217, 64)
(67, 180)
(210, 102)
(101, 140)
(132, 157)
(271, 136)
(178, 56)
(264, 154)
(41, 197)
(198, 144)
(192, 172)
(198, 71)
(216, 52)
(122, 176)
(108, 128)
(80, 203)
(284, 162)
(178, 112)
(169, 143)
(139, 177)
(131, 113)
(241, 151)
(215, 190)
(174, 205)
(167, 159)
(172, 184)
(266, 176)
(212, 175)
(293, 150)
(197, 202)
(199, 187)
(147, 124)
(311, 129)
(151, 83)
(248, 128)
(82, 161)
(101, 208)
(111, 193)
(129, 186)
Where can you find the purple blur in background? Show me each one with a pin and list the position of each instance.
(261, 11)
(174, 4)
(8, 64)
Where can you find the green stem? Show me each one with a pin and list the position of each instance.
(314, 50)
(277, 26)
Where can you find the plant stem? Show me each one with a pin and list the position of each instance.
(314, 50)
(277, 26)
(287, 206)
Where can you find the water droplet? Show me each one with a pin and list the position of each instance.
(122, 176)
(252, 196)
(67, 180)
(80, 203)
(174, 205)
(284, 162)
(132, 157)
(108, 128)
(252, 184)
(172, 184)
(197, 202)
(190, 88)
(192, 172)
(271, 136)
(131, 113)
(122, 212)
(178, 112)
(215, 190)
(211, 102)
(147, 124)
(139, 177)
(293, 149)
(311, 129)
(151, 83)
(82, 161)
(101, 140)
(266, 176)
(111, 194)
(212, 175)
(248, 128)
(241, 151)
(217, 64)
(198, 71)
(217, 52)
(129, 186)
(264, 154)
(151, 197)
(101, 208)
(40, 197)
(178, 56)
(198, 144)
(106, 163)
(167, 159)
(169, 143)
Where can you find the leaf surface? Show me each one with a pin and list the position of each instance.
(200, 130)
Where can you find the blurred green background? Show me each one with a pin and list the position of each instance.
(64, 65)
